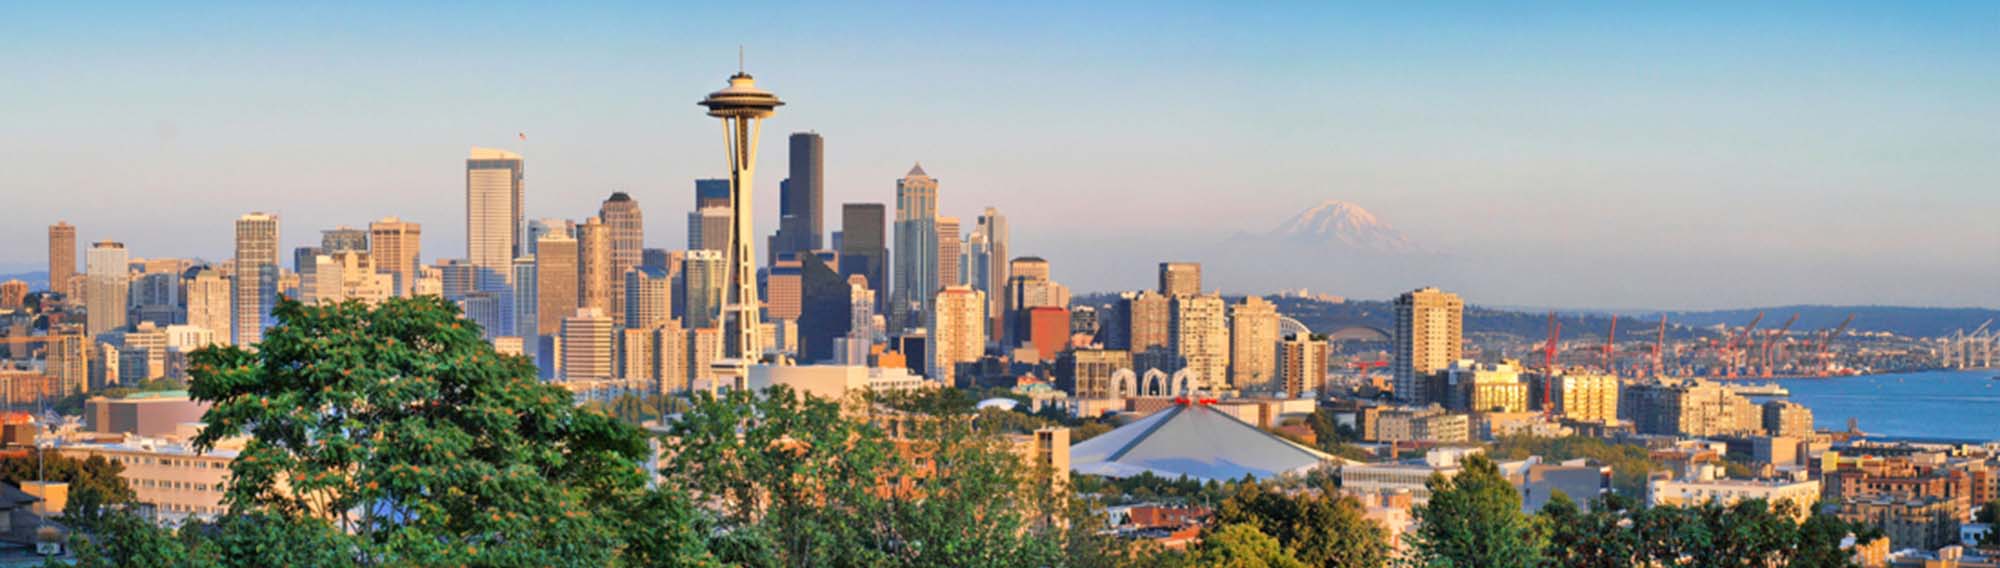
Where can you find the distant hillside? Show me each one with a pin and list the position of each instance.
(37, 280)
(1918, 322)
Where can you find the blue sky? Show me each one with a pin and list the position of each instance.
(1692, 155)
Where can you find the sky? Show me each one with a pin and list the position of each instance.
(1693, 155)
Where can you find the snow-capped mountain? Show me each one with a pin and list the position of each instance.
(1341, 224)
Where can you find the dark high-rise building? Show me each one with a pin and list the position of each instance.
(801, 222)
(863, 249)
(711, 193)
(825, 310)
(343, 239)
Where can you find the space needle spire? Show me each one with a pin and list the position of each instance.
(742, 107)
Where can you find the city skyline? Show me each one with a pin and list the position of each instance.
(1748, 170)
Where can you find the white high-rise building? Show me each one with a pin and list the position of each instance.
(649, 295)
(1429, 337)
(208, 303)
(495, 231)
(587, 346)
(1200, 334)
(108, 280)
(957, 331)
(1253, 352)
(256, 282)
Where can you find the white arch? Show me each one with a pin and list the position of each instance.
(1154, 383)
(1124, 383)
(1185, 381)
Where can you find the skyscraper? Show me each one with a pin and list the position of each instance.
(951, 249)
(1429, 335)
(256, 283)
(1253, 349)
(711, 193)
(990, 266)
(526, 299)
(208, 302)
(800, 221)
(704, 276)
(62, 258)
(495, 229)
(782, 286)
(957, 331)
(863, 250)
(555, 282)
(916, 247)
(628, 245)
(708, 229)
(1200, 332)
(593, 264)
(1147, 315)
(397, 249)
(107, 285)
(1180, 279)
(1028, 287)
(742, 107)
(825, 310)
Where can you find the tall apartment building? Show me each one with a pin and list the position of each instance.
(916, 274)
(957, 331)
(627, 226)
(256, 275)
(587, 348)
(1253, 345)
(1148, 315)
(1587, 398)
(208, 302)
(1302, 363)
(950, 253)
(397, 251)
(495, 228)
(1429, 337)
(107, 284)
(1200, 334)
(62, 258)
(649, 297)
(1689, 408)
(1180, 279)
(1788, 419)
(555, 282)
(1474, 387)
(1091, 372)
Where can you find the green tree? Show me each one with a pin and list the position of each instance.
(394, 434)
(1587, 539)
(1320, 527)
(1243, 546)
(94, 482)
(1475, 519)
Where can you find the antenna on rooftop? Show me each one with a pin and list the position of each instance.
(739, 58)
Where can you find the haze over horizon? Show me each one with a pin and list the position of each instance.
(1572, 156)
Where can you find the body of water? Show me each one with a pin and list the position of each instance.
(1932, 405)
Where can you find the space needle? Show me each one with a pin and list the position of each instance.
(742, 107)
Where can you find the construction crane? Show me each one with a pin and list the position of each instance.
(1610, 345)
(1729, 353)
(1771, 339)
(1821, 360)
(1659, 345)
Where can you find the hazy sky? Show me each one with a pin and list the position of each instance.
(1586, 154)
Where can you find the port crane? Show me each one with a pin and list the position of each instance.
(1771, 340)
(1660, 344)
(1729, 353)
(1610, 346)
(1549, 362)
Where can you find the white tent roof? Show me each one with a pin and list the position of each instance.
(1193, 440)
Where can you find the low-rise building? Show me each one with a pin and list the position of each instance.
(1802, 494)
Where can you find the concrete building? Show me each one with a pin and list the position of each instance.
(1429, 337)
(1703, 489)
(1048, 331)
(1302, 361)
(916, 261)
(708, 229)
(555, 282)
(1180, 279)
(108, 279)
(149, 414)
(783, 288)
(1788, 419)
(1431, 424)
(495, 227)
(958, 331)
(1586, 397)
(256, 276)
(62, 257)
(1148, 316)
(987, 266)
(670, 357)
(397, 249)
(1200, 334)
(801, 196)
(1094, 374)
(1253, 345)
(1474, 387)
(1029, 286)
(179, 482)
(587, 345)
(1693, 408)
(950, 253)
(1926, 523)
(526, 298)
(627, 227)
